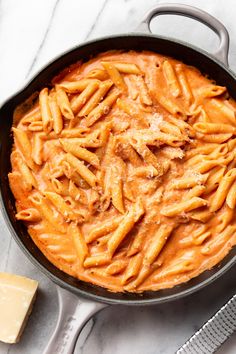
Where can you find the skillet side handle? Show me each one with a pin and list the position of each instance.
(192, 12)
(74, 313)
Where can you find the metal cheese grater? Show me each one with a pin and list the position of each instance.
(214, 332)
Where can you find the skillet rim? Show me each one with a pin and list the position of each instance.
(76, 290)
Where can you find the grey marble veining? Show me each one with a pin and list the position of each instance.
(31, 34)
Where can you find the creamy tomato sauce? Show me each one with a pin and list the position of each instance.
(155, 169)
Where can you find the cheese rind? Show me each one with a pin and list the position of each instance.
(17, 295)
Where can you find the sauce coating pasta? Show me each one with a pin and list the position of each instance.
(124, 171)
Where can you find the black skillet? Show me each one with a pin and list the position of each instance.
(81, 300)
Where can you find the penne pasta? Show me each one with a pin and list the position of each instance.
(187, 241)
(220, 151)
(231, 197)
(99, 74)
(47, 212)
(29, 215)
(211, 91)
(195, 192)
(183, 126)
(231, 144)
(29, 179)
(45, 110)
(15, 180)
(33, 116)
(90, 141)
(171, 129)
(207, 165)
(125, 226)
(201, 215)
(223, 189)
(146, 172)
(169, 105)
(227, 111)
(61, 205)
(96, 98)
(185, 87)
(189, 181)
(96, 261)
(171, 78)
(64, 103)
(79, 101)
(206, 149)
(132, 269)
(145, 272)
(22, 140)
(215, 138)
(59, 187)
(147, 155)
(213, 128)
(81, 169)
(214, 178)
(102, 109)
(136, 245)
(74, 133)
(76, 86)
(127, 68)
(115, 76)
(72, 175)
(37, 149)
(225, 218)
(116, 267)
(182, 266)
(184, 206)
(80, 152)
(76, 193)
(80, 245)
(221, 241)
(127, 152)
(56, 115)
(158, 242)
(104, 229)
(36, 126)
(200, 239)
(143, 91)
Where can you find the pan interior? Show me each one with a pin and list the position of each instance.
(189, 55)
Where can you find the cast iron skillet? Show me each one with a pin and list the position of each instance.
(93, 298)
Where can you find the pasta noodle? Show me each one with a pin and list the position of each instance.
(125, 226)
(96, 98)
(56, 114)
(30, 215)
(159, 240)
(223, 189)
(115, 76)
(81, 153)
(171, 78)
(45, 110)
(80, 244)
(63, 103)
(81, 169)
(185, 87)
(78, 101)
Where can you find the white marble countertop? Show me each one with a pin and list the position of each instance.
(32, 33)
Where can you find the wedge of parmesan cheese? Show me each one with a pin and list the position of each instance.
(17, 295)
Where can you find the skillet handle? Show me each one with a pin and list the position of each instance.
(196, 14)
(74, 313)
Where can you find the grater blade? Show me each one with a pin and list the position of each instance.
(214, 332)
